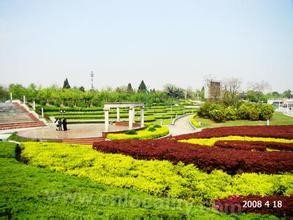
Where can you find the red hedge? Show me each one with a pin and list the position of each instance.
(206, 158)
(232, 157)
(254, 145)
(280, 131)
(268, 205)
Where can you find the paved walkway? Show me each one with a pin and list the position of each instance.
(182, 126)
(74, 131)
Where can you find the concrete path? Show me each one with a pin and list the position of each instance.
(182, 126)
(74, 131)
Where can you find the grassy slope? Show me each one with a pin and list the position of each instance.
(32, 192)
(277, 119)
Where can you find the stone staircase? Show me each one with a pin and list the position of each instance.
(35, 122)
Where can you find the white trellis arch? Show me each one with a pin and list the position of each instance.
(131, 113)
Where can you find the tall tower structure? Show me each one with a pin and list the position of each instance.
(92, 80)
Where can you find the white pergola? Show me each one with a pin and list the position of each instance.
(131, 113)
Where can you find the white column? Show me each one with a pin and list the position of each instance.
(34, 105)
(130, 118)
(11, 97)
(133, 115)
(106, 113)
(24, 99)
(42, 112)
(118, 114)
(142, 117)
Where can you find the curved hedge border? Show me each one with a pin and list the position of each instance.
(206, 158)
(276, 131)
(209, 158)
(254, 145)
(150, 132)
(156, 177)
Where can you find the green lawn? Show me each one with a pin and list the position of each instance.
(277, 119)
(28, 192)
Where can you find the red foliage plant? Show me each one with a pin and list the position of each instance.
(254, 145)
(277, 131)
(230, 159)
(277, 205)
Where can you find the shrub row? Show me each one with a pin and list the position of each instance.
(29, 192)
(277, 205)
(194, 122)
(152, 176)
(151, 132)
(247, 111)
(277, 131)
(209, 142)
(206, 158)
(65, 108)
(254, 145)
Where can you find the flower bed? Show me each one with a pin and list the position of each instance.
(206, 158)
(277, 205)
(281, 131)
(156, 177)
(254, 145)
(150, 132)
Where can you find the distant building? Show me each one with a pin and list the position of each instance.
(212, 90)
(284, 103)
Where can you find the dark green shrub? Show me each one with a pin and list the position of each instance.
(217, 115)
(157, 126)
(253, 114)
(206, 108)
(265, 111)
(152, 129)
(243, 111)
(230, 113)
(131, 132)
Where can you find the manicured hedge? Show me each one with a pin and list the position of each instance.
(194, 122)
(155, 177)
(276, 131)
(30, 192)
(150, 132)
(254, 145)
(246, 110)
(278, 205)
(206, 158)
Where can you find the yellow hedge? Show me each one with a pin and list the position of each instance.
(213, 140)
(141, 134)
(155, 177)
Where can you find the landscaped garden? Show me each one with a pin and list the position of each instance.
(73, 180)
(231, 171)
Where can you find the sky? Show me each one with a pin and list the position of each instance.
(158, 41)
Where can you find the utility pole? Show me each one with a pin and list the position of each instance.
(92, 80)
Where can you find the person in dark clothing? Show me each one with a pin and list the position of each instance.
(57, 123)
(60, 124)
(64, 122)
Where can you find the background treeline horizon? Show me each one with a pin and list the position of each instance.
(73, 96)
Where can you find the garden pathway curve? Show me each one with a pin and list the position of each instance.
(182, 126)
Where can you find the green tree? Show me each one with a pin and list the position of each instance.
(174, 92)
(81, 89)
(142, 87)
(17, 90)
(129, 88)
(288, 94)
(66, 84)
(4, 94)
